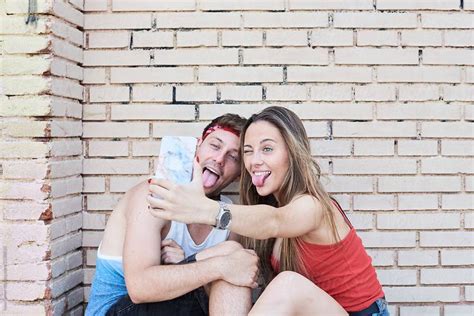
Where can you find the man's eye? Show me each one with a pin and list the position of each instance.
(214, 146)
(234, 158)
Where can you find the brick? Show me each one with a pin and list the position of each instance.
(64, 68)
(458, 93)
(99, 203)
(420, 310)
(68, 32)
(419, 184)
(417, 5)
(111, 21)
(25, 65)
(447, 56)
(361, 221)
(109, 94)
(376, 38)
(240, 74)
(115, 129)
(286, 93)
(342, 184)
(421, 38)
(375, 20)
(211, 111)
(28, 272)
(373, 148)
(69, 51)
(25, 85)
(144, 5)
(64, 168)
(152, 39)
(469, 76)
(13, 6)
(151, 75)
(446, 239)
(374, 129)
(417, 147)
(417, 111)
(380, 202)
(325, 37)
(418, 202)
(91, 256)
(67, 88)
(196, 93)
(412, 74)
(108, 148)
(66, 244)
(469, 293)
(240, 93)
(116, 57)
(446, 276)
(457, 147)
(319, 111)
(375, 93)
(381, 258)
(171, 128)
(456, 257)
(25, 106)
(397, 277)
(66, 282)
(329, 5)
(23, 211)
(34, 170)
(26, 128)
(458, 310)
(184, 112)
(418, 258)
(66, 206)
(95, 5)
(94, 112)
(123, 184)
(145, 149)
(446, 20)
(242, 38)
(469, 112)
(25, 291)
(109, 39)
(285, 20)
(332, 92)
(442, 165)
(197, 20)
(152, 93)
(74, 298)
(93, 184)
(469, 184)
(458, 201)
(418, 221)
(388, 239)
(286, 38)
(196, 56)
(196, 38)
(63, 187)
(68, 13)
(329, 74)
(289, 56)
(23, 149)
(25, 44)
(376, 56)
(213, 5)
(458, 38)
(17, 25)
(374, 166)
(447, 129)
(422, 294)
(115, 166)
(66, 128)
(469, 5)
(418, 92)
(94, 75)
(330, 147)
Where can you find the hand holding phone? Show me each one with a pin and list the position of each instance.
(175, 161)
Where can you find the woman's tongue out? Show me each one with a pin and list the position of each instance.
(258, 178)
(209, 178)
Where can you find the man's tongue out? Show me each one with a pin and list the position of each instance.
(209, 178)
(259, 180)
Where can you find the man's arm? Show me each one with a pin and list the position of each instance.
(146, 279)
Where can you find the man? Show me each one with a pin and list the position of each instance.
(148, 281)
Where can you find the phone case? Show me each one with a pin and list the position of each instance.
(175, 161)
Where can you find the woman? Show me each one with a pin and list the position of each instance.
(313, 262)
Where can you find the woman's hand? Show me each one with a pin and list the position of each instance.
(171, 252)
(185, 203)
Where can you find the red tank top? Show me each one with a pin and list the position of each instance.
(343, 270)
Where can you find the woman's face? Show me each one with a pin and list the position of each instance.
(265, 157)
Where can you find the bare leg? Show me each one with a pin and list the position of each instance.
(229, 299)
(292, 294)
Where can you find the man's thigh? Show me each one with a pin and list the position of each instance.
(193, 303)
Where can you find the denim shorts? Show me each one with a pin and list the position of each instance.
(383, 307)
(377, 308)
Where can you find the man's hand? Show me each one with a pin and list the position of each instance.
(171, 252)
(185, 203)
(240, 268)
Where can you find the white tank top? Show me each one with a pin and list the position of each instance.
(180, 234)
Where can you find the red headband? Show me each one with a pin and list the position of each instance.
(216, 127)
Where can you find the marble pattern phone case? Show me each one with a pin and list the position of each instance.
(175, 161)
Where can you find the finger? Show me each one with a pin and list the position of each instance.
(170, 242)
(156, 203)
(167, 184)
(159, 191)
(197, 172)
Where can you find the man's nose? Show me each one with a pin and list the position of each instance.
(220, 157)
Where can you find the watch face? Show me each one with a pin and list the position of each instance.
(225, 219)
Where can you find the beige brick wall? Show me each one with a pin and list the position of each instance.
(384, 87)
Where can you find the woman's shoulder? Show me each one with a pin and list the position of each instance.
(307, 202)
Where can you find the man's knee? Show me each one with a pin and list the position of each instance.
(231, 246)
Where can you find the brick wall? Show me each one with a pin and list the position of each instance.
(385, 89)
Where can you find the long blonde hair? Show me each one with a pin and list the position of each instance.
(302, 178)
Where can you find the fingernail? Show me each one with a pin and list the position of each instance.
(149, 180)
(197, 158)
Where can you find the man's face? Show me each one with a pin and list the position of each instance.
(219, 157)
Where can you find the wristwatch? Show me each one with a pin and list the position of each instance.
(224, 217)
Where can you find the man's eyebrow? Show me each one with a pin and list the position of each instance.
(217, 138)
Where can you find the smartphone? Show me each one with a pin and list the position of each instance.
(175, 161)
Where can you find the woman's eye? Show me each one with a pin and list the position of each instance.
(246, 152)
(267, 149)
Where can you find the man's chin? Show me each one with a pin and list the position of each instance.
(212, 191)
